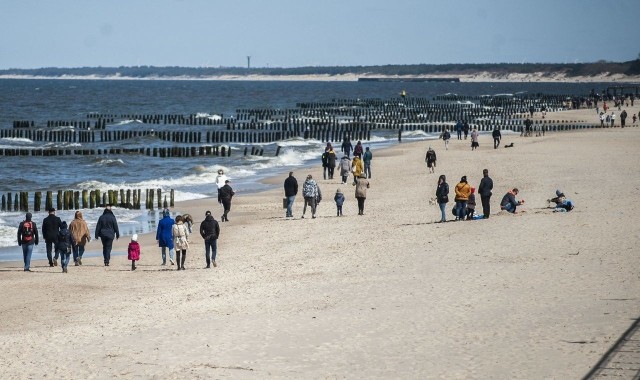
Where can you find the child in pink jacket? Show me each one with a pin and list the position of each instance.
(134, 251)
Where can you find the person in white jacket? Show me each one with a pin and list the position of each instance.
(220, 179)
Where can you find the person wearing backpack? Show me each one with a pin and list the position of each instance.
(63, 246)
(50, 227)
(80, 236)
(27, 238)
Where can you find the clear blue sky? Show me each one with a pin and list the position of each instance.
(292, 33)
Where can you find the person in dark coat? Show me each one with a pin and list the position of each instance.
(442, 196)
(50, 227)
(107, 230)
(63, 247)
(226, 193)
(331, 162)
(509, 202)
(325, 163)
(27, 238)
(347, 147)
(210, 231)
(486, 185)
(497, 136)
(164, 236)
(290, 192)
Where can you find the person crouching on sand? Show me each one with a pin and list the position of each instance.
(509, 202)
(133, 251)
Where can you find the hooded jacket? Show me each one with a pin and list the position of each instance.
(290, 186)
(50, 227)
(463, 190)
(79, 230)
(163, 233)
(209, 228)
(358, 166)
(107, 226)
(226, 192)
(35, 238)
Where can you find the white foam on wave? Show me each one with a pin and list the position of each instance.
(8, 236)
(299, 141)
(204, 115)
(17, 140)
(62, 145)
(109, 162)
(127, 122)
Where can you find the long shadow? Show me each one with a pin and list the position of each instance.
(602, 368)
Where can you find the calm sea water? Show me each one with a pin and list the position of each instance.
(42, 100)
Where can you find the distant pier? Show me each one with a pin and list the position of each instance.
(384, 79)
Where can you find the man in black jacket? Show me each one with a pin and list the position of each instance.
(486, 185)
(107, 230)
(27, 238)
(210, 231)
(497, 136)
(226, 193)
(290, 192)
(50, 228)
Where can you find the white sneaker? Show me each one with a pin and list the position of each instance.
(171, 261)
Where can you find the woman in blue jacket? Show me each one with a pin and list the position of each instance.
(164, 236)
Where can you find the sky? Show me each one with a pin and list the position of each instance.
(295, 33)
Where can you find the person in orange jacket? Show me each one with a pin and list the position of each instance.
(463, 190)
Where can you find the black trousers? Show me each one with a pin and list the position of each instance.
(486, 205)
(106, 249)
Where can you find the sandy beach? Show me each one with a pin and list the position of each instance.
(390, 294)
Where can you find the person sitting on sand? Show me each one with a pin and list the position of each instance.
(561, 203)
(509, 202)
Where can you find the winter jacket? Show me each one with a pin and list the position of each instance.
(226, 192)
(290, 187)
(209, 228)
(50, 227)
(163, 233)
(430, 156)
(474, 136)
(446, 135)
(339, 198)
(358, 166)
(133, 251)
(79, 230)
(34, 233)
(357, 151)
(220, 178)
(362, 184)
(179, 233)
(331, 159)
(63, 244)
(347, 147)
(486, 185)
(345, 166)
(442, 192)
(463, 190)
(107, 226)
(509, 198)
(367, 157)
(496, 134)
(471, 203)
(325, 158)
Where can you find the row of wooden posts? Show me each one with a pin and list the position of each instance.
(83, 199)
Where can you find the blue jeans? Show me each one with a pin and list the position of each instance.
(64, 257)
(27, 250)
(509, 208)
(443, 206)
(290, 205)
(461, 209)
(210, 247)
(78, 251)
(164, 254)
(367, 170)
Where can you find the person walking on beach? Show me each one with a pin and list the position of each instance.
(474, 139)
(107, 230)
(80, 236)
(459, 129)
(290, 192)
(163, 236)
(509, 202)
(465, 129)
(325, 163)
(226, 193)
(50, 227)
(345, 167)
(366, 158)
(446, 136)
(357, 151)
(210, 231)
(346, 146)
(27, 238)
(486, 185)
(311, 193)
(180, 236)
(442, 196)
(133, 251)
(357, 167)
(362, 184)
(331, 162)
(497, 136)
(339, 199)
(613, 119)
(602, 118)
(430, 159)
(220, 180)
(63, 248)
(623, 118)
(463, 190)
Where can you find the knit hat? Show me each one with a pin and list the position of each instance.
(338, 191)
(134, 237)
(28, 216)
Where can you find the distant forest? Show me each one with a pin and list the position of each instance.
(570, 70)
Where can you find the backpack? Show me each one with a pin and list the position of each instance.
(63, 239)
(27, 231)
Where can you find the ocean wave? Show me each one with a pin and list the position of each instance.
(300, 142)
(8, 236)
(62, 145)
(127, 122)
(17, 140)
(204, 115)
(109, 162)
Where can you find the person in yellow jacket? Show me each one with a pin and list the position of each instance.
(463, 190)
(357, 167)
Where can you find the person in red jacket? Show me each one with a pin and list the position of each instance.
(134, 251)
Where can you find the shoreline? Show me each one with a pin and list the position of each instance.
(480, 77)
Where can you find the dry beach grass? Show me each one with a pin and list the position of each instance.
(386, 295)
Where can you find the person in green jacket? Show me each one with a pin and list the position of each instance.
(366, 158)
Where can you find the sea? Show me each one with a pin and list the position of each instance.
(40, 100)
